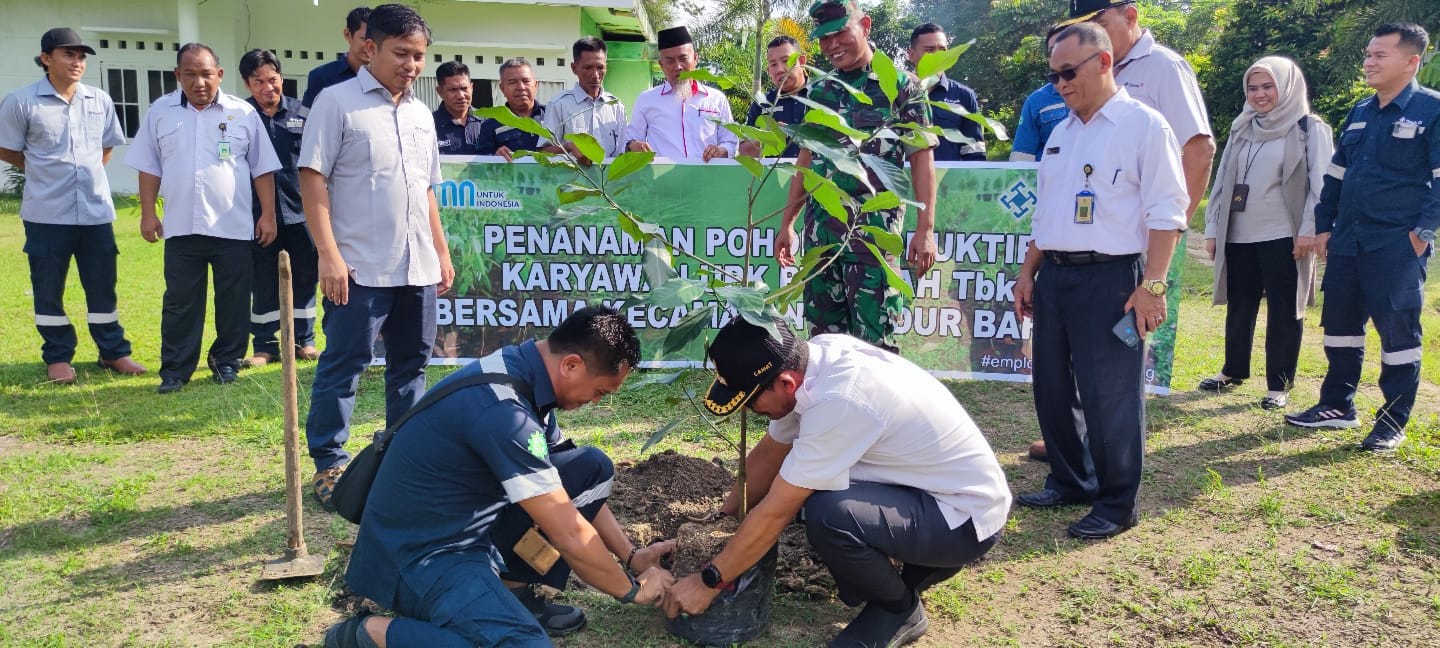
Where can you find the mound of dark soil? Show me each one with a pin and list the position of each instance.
(652, 499)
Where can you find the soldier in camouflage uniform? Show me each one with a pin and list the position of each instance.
(852, 295)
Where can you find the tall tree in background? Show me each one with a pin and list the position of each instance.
(1326, 37)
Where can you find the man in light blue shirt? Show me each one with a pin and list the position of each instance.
(368, 160)
(61, 132)
(1039, 115)
(586, 107)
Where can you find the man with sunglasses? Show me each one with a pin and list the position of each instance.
(881, 459)
(1161, 79)
(853, 294)
(1110, 211)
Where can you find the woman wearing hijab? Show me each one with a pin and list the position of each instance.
(1260, 224)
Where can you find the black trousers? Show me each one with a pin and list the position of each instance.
(188, 260)
(1254, 270)
(1076, 308)
(265, 295)
(49, 249)
(859, 530)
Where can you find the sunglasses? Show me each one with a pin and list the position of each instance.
(1068, 74)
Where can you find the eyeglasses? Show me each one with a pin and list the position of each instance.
(1068, 74)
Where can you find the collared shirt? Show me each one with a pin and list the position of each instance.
(787, 111)
(1161, 79)
(64, 145)
(1043, 109)
(494, 135)
(450, 473)
(206, 160)
(950, 91)
(324, 76)
(867, 415)
(285, 129)
(1385, 176)
(681, 130)
(457, 139)
(1136, 179)
(379, 159)
(575, 111)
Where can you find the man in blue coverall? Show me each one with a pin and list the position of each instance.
(1375, 225)
(1042, 110)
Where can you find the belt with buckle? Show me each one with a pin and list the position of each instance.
(1085, 258)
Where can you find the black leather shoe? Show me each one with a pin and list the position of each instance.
(1094, 527)
(1219, 385)
(170, 385)
(1046, 498)
(876, 627)
(1383, 439)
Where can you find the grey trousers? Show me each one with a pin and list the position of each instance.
(859, 530)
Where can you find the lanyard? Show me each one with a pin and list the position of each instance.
(1251, 159)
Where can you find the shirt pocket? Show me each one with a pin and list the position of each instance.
(380, 145)
(1350, 141)
(419, 150)
(705, 124)
(240, 139)
(169, 138)
(1403, 154)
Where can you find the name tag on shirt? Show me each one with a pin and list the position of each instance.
(1085, 207)
(223, 150)
(294, 123)
(1405, 129)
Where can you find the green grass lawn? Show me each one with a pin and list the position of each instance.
(127, 518)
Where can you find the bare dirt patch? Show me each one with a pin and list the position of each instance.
(652, 499)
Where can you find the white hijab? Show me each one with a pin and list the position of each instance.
(1292, 104)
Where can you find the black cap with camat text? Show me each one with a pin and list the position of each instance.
(746, 359)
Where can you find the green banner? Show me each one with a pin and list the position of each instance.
(523, 263)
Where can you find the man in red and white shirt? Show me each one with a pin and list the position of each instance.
(681, 120)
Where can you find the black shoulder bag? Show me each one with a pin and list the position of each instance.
(353, 488)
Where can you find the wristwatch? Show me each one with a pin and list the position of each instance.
(1425, 235)
(1156, 287)
(710, 575)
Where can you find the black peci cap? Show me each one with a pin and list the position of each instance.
(746, 358)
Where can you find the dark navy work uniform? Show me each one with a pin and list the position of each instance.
(787, 111)
(952, 92)
(494, 135)
(441, 521)
(324, 76)
(284, 128)
(457, 139)
(1383, 183)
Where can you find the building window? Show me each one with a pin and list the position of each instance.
(162, 82)
(499, 60)
(123, 45)
(559, 62)
(479, 59)
(305, 54)
(159, 46)
(289, 54)
(140, 45)
(125, 92)
(319, 55)
(540, 62)
(104, 43)
(439, 58)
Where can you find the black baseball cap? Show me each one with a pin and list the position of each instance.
(63, 37)
(746, 358)
(1083, 10)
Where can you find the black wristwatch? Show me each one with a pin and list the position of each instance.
(710, 575)
(629, 596)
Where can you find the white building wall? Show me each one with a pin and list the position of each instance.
(135, 40)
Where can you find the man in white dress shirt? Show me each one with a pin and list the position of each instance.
(1111, 208)
(681, 120)
(883, 461)
(199, 148)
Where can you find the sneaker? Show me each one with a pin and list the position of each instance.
(1324, 416)
(877, 627)
(324, 484)
(1276, 402)
(1383, 439)
(557, 620)
(349, 633)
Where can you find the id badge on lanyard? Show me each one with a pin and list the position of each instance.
(1085, 201)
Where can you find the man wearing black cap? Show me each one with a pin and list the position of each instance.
(60, 132)
(883, 461)
(679, 119)
(853, 295)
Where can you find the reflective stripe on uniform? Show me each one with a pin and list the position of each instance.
(265, 318)
(51, 320)
(305, 313)
(1407, 356)
(1336, 171)
(522, 487)
(1356, 126)
(103, 318)
(1345, 341)
(1436, 174)
(593, 495)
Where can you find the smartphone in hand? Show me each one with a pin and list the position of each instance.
(1126, 331)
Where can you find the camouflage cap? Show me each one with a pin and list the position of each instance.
(830, 16)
